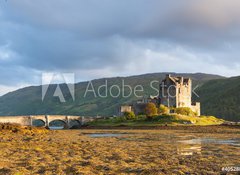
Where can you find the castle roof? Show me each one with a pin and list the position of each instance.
(177, 80)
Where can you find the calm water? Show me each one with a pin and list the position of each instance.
(195, 146)
(97, 135)
(185, 147)
(195, 141)
(235, 142)
(56, 127)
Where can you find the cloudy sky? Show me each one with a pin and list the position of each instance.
(105, 38)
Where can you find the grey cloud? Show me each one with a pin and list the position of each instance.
(18, 75)
(115, 37)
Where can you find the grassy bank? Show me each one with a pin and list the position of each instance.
(24, 130)
(170, 120)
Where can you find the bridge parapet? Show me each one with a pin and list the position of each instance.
(21, 120)
(28, 120)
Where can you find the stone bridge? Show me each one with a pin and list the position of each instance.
(46, 119)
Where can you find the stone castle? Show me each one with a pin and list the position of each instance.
(177, 92)
(174, 92)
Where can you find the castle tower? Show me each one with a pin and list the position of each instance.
(177, 92)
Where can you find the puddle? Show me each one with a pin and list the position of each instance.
(104, 135)
(186, 151)
(235, 142)
(56, 127)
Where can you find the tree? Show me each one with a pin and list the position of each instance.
(129, 115)
(151, 110)
(163, 109)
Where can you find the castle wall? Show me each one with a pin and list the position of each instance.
(167, 93)
(184, 97)
(196, 108)
(139, 108)
(125, 108)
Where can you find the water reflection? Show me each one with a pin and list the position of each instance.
(104, 135)
(56, 127)
(189, 150)
(194, 146)
(235, 142)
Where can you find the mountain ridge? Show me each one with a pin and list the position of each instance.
(27, 101)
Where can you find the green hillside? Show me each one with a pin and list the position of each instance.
(221, 98)
(28, 101)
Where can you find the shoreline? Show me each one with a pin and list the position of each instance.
(212, 127)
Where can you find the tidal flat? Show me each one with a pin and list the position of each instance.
(164, 150)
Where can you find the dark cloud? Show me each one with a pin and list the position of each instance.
(107, 38)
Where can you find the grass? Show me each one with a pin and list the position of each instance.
(16, 128)
(174, 119)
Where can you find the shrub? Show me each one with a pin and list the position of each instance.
(185, 111)
(163, 109)
(129, 115)
(172, 110)
(151, 110)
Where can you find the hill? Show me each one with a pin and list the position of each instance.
(221, 98)
(28, 101)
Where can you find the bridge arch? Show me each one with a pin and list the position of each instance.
(74, 123)
(58, 123)
(38, 122)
